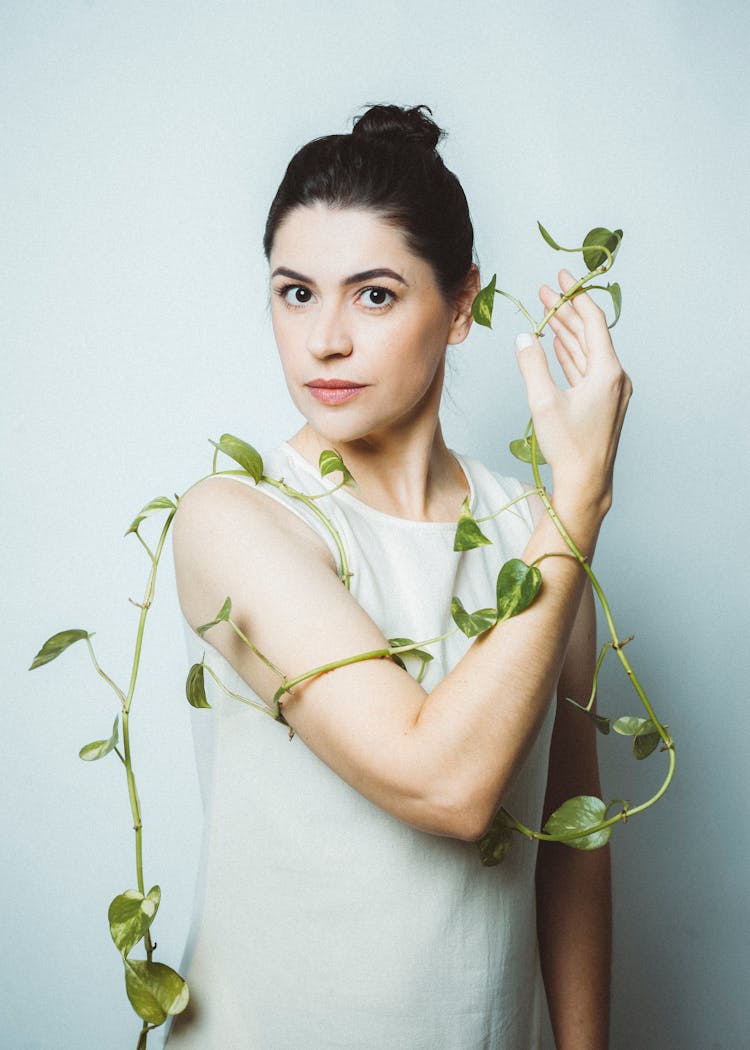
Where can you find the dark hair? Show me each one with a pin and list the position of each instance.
(388, 163)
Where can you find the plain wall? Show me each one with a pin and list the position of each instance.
(141, 145)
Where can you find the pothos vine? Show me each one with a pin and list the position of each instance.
(585, 822)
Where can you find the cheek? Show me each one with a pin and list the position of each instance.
(284, 338)
(420, 347)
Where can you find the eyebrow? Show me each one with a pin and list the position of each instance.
(365, 275)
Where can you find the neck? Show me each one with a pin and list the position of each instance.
(409, 476)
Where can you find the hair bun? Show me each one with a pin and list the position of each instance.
(399, 124)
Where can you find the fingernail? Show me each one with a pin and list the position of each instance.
(523, 341)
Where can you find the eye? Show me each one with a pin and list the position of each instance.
(379, 298)
(295, 295)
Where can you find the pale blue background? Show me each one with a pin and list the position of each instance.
(141, 145)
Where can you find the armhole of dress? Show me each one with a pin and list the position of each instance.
(296, 508)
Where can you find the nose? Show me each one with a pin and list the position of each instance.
(329, 335)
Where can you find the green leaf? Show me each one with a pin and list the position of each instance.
(419, 654)
(484, 303)
(130, 915)
(472, 624)
(628, 725)
(517, 586)
(616, 293)
(195, 687)
(154, 990)
(593, 242)
(330, 462)
(221, 617)
(133, 527)
(521, 449)
(100, 748)
(159, 503)
(241, 453)
(57, 644)
(494, 845)
(646, 740)
(576, 815)
(468, 534)
(602, 722)
(552, 243)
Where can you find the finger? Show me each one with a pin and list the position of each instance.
(564, 313)
(596, 333)
(568, 362)
(534, 369)
(571, 342)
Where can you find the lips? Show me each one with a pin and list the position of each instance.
(333, 391)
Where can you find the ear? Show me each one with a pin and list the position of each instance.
(462, 319)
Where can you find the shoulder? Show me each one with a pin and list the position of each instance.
(227, 527)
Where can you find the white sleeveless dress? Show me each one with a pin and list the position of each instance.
(324, 923)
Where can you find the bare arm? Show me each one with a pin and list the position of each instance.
(440, 761)
(573, 886)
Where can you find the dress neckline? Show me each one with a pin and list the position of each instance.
(366, 510)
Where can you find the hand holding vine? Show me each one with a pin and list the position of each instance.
(578, 428)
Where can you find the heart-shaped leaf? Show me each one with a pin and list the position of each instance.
(521, 449)
(646, 740)
(133, 526)
(419, 654)
(195, 687)
(616, 295)
(468, 534)
(593, 243)
(616, 292)
(628, 725)
(159, 503)
(548, 238)
(155, 990)
(602, 722)
(330, 462)
(221, 617)
(100, 748)
(57, 644)
(517, 586)
(241, 453)
(494, 845)
(130, 915)
(576, 815)
(472, 624)
(484, 303)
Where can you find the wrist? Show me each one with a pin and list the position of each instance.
(581, 498)
(578, 516)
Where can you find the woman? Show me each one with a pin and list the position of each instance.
(345, 905)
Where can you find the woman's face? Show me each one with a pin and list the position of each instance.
(359, 321)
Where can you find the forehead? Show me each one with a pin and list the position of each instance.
(332, 242)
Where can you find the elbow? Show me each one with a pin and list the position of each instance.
(466, 816)
(473, 824)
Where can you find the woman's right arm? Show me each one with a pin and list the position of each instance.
(439, 761)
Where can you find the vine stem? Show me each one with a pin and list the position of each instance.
(309, 502)
(254, 649)
(617, 645)
(100, 672)
(574, 290)
(127, 701)
(506, 506)
(585, 565)
(372, 654)
(625, 813)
